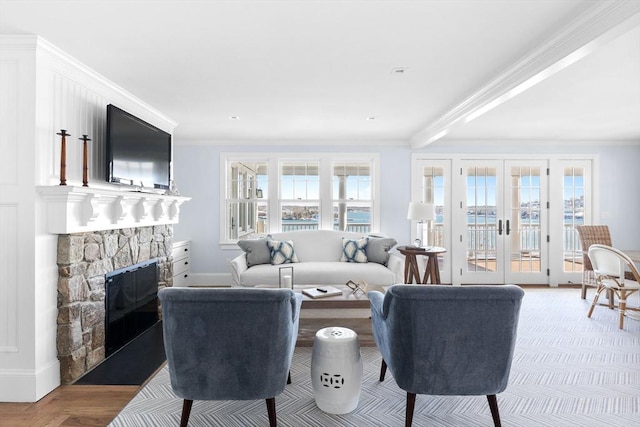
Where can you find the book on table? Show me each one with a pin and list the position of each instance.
(322, 291)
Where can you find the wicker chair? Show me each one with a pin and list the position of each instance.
(610, 267)
(591, 235)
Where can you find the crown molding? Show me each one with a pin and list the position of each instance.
(596, 26)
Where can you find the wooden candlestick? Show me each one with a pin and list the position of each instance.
(63, 157)
(85, 162)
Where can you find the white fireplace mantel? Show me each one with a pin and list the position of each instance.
(72, 209)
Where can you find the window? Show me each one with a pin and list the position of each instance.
(245, 205)
(299, 195)
(297, 192)
(351, 196)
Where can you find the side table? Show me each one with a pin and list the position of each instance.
(411, 269)
(336, 369)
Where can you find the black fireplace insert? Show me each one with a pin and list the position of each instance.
(131, 303)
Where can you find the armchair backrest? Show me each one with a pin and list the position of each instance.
(610, 262)
(450, 340)
(229, 344)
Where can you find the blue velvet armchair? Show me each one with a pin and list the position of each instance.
(447, 340)
(229, 344)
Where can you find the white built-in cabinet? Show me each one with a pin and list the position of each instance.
(181, 253)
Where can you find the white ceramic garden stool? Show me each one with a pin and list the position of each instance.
(336, 370)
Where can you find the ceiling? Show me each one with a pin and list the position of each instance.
(328, 71)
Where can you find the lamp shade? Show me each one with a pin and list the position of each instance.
(421, 211)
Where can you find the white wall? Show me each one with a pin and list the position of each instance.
(43, 90)
(197, 176)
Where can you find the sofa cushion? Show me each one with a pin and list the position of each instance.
(282, 252)
(321, 273)
(354, 250)
(378, 249)
(256, 251)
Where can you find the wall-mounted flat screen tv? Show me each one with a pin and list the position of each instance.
(138, 153)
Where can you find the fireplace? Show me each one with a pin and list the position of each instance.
(131, 303)
(86, 261)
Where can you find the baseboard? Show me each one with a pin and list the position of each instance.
(26, 385)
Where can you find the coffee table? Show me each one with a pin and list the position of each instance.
(348, 299)
(325, 312)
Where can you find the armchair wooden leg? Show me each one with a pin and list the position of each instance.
(583, 294)
(411, 403)
(383, 370)
(289, 378)
(186, 411)
(622, 306)
(493, 405)
(595, 301)
(271, 410)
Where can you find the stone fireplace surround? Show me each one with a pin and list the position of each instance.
(83, 261)
(101, 229)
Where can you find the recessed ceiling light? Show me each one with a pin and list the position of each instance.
(234, 117)
(399, 70)
(371, 118)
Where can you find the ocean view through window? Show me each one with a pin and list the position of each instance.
(298, 192)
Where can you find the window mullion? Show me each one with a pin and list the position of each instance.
(326, 205)
(273, 179)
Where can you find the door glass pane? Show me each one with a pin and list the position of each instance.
(573, 214)
(524, 219)
(433, 192)
(481, 219)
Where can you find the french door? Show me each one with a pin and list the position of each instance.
(501, 221)
(509, 220)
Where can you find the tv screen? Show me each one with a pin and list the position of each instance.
(138, 153)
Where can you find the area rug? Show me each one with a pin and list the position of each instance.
(567, 371)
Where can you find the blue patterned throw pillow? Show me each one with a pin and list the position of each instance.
(354, 250)
(282, 252)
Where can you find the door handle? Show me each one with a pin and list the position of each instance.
(499, 227)
(508, 228)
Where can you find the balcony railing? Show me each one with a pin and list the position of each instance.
(359, 227)
(480, 237)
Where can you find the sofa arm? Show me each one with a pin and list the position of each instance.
(238, 266)
(396, 265)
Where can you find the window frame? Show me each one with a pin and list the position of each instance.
(274, 161)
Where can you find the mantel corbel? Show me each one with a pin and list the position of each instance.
(72, 209)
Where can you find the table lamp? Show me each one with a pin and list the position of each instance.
(421, 212)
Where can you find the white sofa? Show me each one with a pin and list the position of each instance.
(319, 253)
